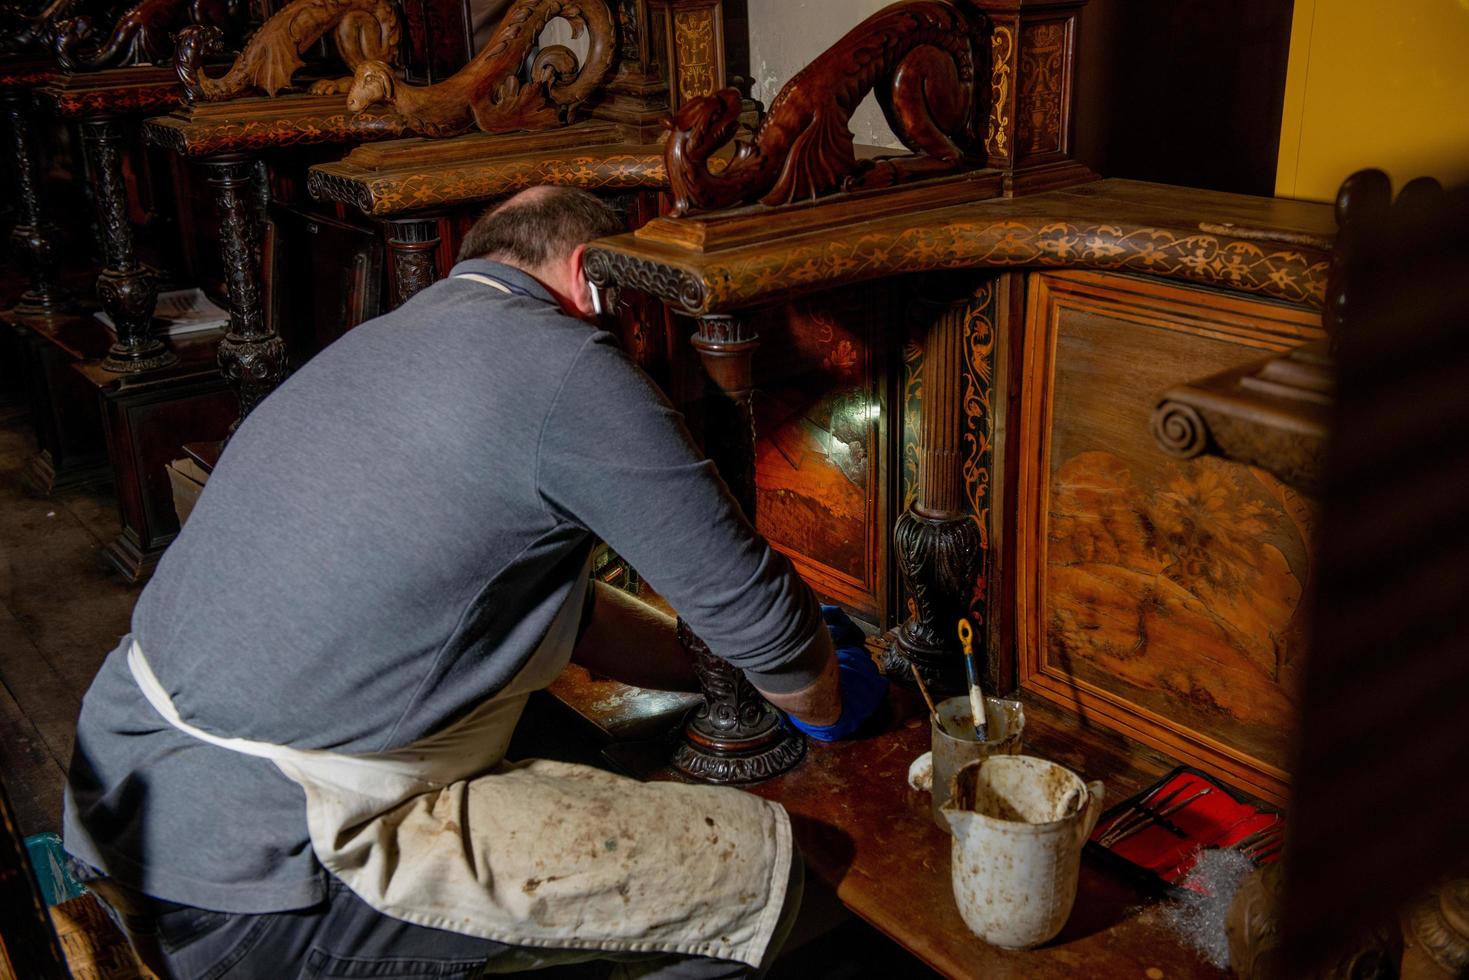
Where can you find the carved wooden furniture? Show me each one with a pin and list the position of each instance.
(34, 235)
(103, 104)
(361, 30)
(225, 141)
(408, 188)
(727, 266)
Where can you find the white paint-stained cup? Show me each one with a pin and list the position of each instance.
(1019, 824)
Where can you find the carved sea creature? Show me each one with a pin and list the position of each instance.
(365, 30)
(918, 56)
(494, 91)
(142, 36)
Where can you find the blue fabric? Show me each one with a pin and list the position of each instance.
(863, 688)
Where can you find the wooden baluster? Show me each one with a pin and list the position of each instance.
(736, 736)
(414, 244)
(937, 542)
(251, 355)
(128, 291)
(34, 234)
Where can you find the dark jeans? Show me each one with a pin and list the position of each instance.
(344, 937)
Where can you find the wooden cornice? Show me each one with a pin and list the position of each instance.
(753, 256)
(112, 92)
(251, 125)
(408, 175)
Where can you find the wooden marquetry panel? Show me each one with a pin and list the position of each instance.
(1158, 597)
(823, 467)
(1043, 102)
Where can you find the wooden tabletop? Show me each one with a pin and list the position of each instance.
(406, 175)
(261, 123)
(753, 256)
(872, 839)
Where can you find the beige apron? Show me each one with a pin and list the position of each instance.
(443, 833)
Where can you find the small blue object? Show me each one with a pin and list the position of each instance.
(863, 688)
(49, 863)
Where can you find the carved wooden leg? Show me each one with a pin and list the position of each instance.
(937, 543)
(735, 736)
(413, 245)
(251, 355)
(34, 234)
(127, 290)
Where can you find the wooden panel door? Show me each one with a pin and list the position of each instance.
(824, 473)
(1157, 597)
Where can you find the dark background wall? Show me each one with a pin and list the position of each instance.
(1184, 91)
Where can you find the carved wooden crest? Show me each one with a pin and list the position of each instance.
(144, 35)
(919, 58)
(365, 30)
(495, 91)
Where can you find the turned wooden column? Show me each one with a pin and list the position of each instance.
(413, 244)
(735, 736)
(128, 291)
(34, 234)
(937, 542)
(251, 355)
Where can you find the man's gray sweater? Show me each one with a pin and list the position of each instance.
(383, 545)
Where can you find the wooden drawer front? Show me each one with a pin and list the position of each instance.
(1157, 597)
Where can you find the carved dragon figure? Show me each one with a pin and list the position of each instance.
(366, 31)
(142, 36)
(491, 91)
(917, 55)
(20, 31)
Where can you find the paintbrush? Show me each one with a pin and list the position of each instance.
(923, 689)
(971, 671)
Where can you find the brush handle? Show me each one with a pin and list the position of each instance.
(971, 672)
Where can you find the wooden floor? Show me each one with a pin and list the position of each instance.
(61, 612)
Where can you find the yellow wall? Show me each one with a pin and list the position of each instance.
(1375, 84)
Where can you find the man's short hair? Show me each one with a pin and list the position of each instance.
(539, 225)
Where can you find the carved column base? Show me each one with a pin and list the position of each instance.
(129, 299)
(254, 365)
(938, 557)
(45, 297)
(735, 736)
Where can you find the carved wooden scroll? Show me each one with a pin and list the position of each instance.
(365, 30)
(144, 35)
(494, 91)
(918, 56)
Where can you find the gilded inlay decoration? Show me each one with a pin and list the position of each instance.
(1002, 66)
(694, 36)
(1039, 104)
(751, 276)
(379, 196)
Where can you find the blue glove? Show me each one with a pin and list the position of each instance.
(862, 686)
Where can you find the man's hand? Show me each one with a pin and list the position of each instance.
(862, 687)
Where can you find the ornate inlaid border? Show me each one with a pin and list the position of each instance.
(401, 193)
(201, 138)
(753, 276)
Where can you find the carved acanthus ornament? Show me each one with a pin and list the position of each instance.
(917, 56)
(494, 91)
(364, 31)
(142, 36)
